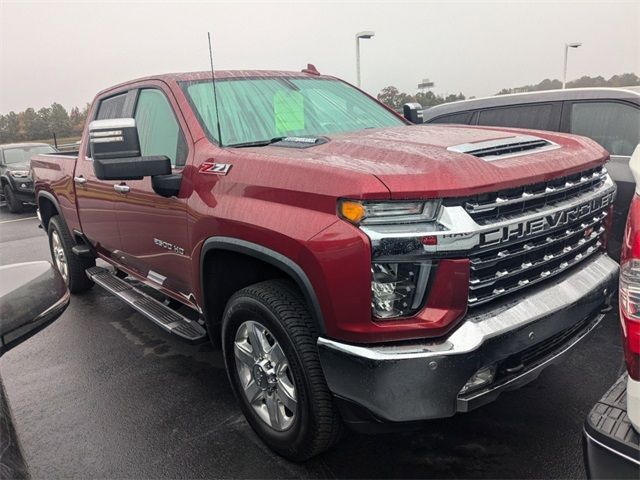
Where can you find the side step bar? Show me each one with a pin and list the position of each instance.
(163, 316)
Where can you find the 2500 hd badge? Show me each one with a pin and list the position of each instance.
(547, 222)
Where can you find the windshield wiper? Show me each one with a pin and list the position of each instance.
(257, 143)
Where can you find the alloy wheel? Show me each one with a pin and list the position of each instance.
(265, 375)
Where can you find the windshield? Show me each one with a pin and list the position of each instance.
(260, 109)
(24, 154)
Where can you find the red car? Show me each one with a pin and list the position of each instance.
(612, 430)
(354, 268)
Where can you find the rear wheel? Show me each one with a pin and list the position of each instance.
(269, 343)
(71, 267)
(14, 205)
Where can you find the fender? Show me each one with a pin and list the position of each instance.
(53, 199)
(272, 257)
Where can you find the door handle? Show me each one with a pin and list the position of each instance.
(121, 188)
(80, 180)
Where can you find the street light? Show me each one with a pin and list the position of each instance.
(365, 34)
(567, 46)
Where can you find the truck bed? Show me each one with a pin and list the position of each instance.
(53, 175)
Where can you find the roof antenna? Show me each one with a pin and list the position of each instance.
(215, 96)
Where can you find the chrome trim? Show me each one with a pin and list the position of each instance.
(422, 379)
(500, 202)
(112, 123)
(531, 243)
(121, 188)
(457, 231)
(615, 452)
(480, 326)
(529, 374)
(156, 277)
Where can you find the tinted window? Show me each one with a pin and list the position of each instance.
(615, 126)
(259, 109)
(462, 118)
(24, 154)
(158, 129)
(111, 107)
(522, 116)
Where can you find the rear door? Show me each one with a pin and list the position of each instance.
(538, 116)
(96, 199)
(153, 229)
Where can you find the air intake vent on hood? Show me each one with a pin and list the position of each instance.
(505, 147)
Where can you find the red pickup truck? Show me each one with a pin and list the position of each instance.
(354, 269)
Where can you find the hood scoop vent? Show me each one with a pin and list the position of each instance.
(301, 142)
(505, 147)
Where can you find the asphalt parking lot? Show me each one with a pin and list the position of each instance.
(104, 393)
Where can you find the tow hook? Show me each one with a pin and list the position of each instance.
(607, 307)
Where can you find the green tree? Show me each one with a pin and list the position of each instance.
(12, 129)
(58, 120)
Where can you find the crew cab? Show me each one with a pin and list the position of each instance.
(355, 269)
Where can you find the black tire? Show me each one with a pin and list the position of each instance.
(279, 306)
(14, 205)
(76, 278)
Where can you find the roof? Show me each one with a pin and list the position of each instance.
(219, 74)
(7, 146)
(623, 93)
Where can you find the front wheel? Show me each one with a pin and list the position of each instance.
(14, 205)
(269, 344)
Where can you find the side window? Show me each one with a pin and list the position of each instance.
(615, 126)
(539, 116)
(460, 118)
(158, 129)
(111, 107)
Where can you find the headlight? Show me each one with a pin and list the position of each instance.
(368, 213)
(19, 173)
(398, 289)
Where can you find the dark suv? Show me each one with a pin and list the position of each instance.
(15, 172)
(610, 116)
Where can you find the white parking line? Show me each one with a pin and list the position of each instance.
(17, 220)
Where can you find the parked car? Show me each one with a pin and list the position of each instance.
(15, 176)
(32, 295)
(354, 269)
(611, 433)
(610, 116)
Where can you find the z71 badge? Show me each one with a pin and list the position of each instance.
(211, 168)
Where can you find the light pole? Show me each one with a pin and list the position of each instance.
(365, 34)
(567, 46)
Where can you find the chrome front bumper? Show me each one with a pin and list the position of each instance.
(422, 379)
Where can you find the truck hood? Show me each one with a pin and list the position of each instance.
(413, 161)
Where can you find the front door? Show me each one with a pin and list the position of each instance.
(97, 198)
(154, 240)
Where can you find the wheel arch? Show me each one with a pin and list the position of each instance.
(48, 206)
(264, 264)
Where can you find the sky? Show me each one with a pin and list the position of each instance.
(66, 52)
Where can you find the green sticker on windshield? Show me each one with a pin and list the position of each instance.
(288, 110)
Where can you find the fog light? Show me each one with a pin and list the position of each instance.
(482, 377)
(398, 289)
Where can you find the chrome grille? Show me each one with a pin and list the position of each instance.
(505, 269)
(491, 207)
